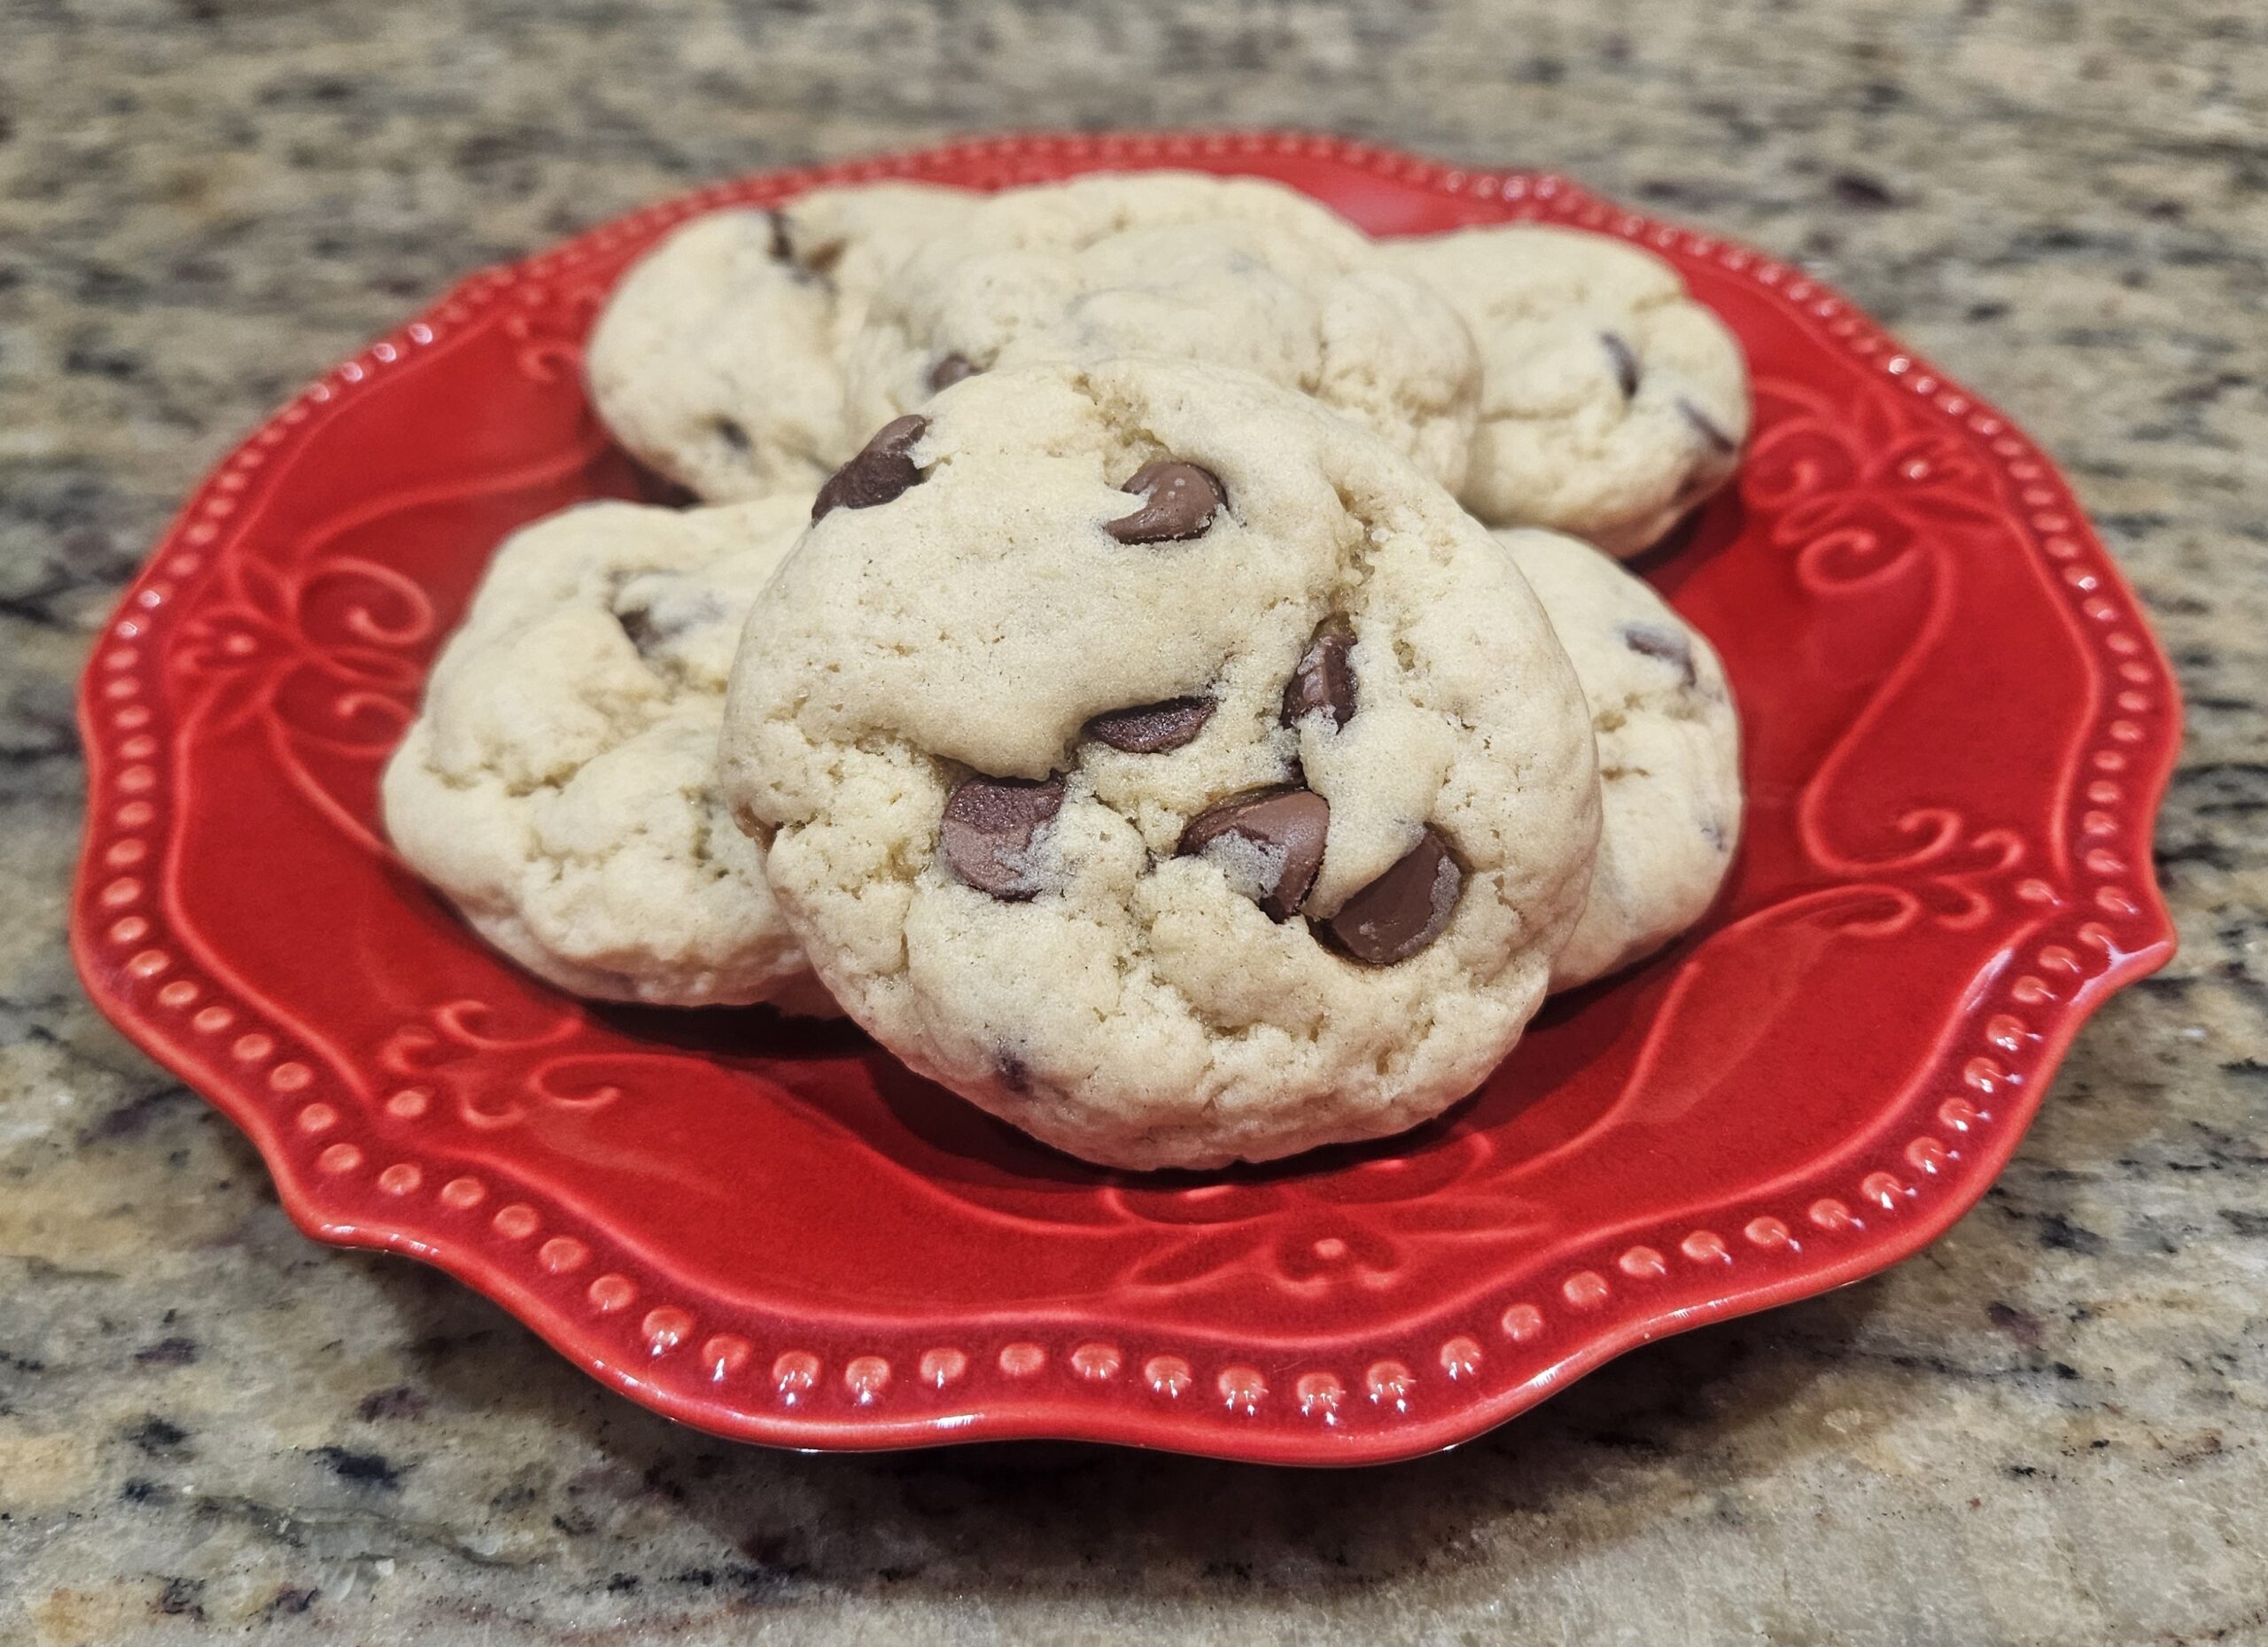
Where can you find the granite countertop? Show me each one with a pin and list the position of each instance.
(2050, 1427)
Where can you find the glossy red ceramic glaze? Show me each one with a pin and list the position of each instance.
(1958, 729)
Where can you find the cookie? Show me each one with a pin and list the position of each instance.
(1164, 764)
(1610, 401)
(1233, 272)
(558, 786)
(1668, 753)
(715, 360)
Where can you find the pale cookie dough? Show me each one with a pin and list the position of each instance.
(1610, 401)
(1085, 788)
(1668, 753)
(1233, 272)
(716, 361)
(558, 786)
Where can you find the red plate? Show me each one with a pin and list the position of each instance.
(1957, 730)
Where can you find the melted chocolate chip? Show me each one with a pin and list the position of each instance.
(653, 627)
(1271, 843)
(1179, 501)
(805, 266)
(638, 626)
(989, 828)
(1626, 364)
(1152, 729)
(951, 370)
(1404, 909)
(1324, 680)
(732, 433)
(1703, 424)
(883, 470)
(1659, 641)
(818, 262)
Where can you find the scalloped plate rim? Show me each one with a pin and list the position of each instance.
(1039, 1415)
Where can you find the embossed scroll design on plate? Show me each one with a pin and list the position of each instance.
(1958, 728)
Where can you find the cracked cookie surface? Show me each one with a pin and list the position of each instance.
(1610, 401)
(558, 785)
(1165, 765)
(1668, 739)
(1233, 272)
(716, 361)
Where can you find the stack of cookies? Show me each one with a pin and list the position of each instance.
(1151, 656)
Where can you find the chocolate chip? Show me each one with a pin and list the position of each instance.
(1404, 909)
(637, 628)
(657, 611)
(1626, 364)
(951, 370)
(1270, 843)
(1014, 1074)
(882, 470)
(1324, 679)
(816, 263)
(669, 616)
(1179, 500)
(805, 266)
(989, 828)
(1718, 440)
(1661, 642)
(1152, 729)
(731, 434)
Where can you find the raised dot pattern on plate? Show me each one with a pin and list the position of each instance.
(130, 820)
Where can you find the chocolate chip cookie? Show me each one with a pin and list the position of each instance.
(1234, 272)
(1668, 753)
(1166, 765)
(716, 361)
(558, 786)
(1610, 401)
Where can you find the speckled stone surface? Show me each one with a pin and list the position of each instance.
(2052, 1427)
